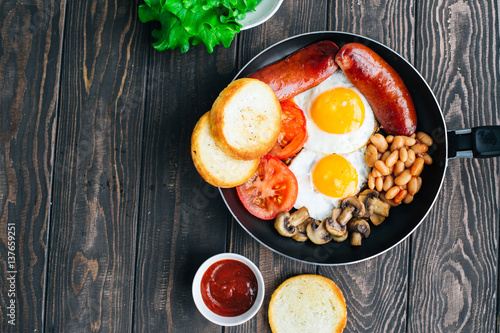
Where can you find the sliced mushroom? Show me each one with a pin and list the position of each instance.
(342, 238)
(332, 224)
(377, 219)
(351, 206)
(358, 229)
(373, 204)
(287, 223)
(299, 216)
(301, 235)
(317, 232)
(378, 207)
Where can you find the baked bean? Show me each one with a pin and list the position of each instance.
(410, 159)
(379, 142)
(392, 158)
(379, 184)
(408, 198)
(393, 191)
(403, 178)
(419, 183)
(414, 135)
(382, 168)
(403, 154)
(371, 155)
(417, 167)
(419, 148)
(399, 167)
(427, 159)
(409, 141)
(376, 173)
(397, 143)
(371, 181)
(388, 183)
(412, 186)
(392, 169)
(385, 155)
(400, 196)
(424, 138)
(389, 138)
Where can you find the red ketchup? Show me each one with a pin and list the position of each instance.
(229, 288)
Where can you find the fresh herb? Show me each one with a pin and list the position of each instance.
(190, 22)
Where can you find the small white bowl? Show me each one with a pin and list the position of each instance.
(221, 320)
(263, 12)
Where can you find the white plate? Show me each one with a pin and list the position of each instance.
(263, 12)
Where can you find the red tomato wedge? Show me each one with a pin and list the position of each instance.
(293, 133)
(273, 189)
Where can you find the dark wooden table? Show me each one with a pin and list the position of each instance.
(111, 219)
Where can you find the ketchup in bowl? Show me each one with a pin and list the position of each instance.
(229, 288)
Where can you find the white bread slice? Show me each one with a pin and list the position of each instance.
(246, 118)
(213, 164)
(307, 303)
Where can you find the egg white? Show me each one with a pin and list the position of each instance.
(328, 143)
(320, 205)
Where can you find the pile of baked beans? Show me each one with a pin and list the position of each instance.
(397, 162)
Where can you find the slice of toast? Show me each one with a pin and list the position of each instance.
(213, 164)
(307, 303)
(246, 119)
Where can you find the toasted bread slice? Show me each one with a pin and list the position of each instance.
(246, 119)
(213, 164)
(307, 303)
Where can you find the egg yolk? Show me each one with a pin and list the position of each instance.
(338, 111)
(334, 176)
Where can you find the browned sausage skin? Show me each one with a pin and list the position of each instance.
(381, 85)
(300, 71)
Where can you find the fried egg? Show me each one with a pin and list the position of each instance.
(324, 180)
(339, 118)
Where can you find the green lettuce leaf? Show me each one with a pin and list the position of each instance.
(191, 22)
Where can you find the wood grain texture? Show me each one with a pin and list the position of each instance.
(293, 17)
(454, 283)
(376, 290)
(183, 220)
(30, 45)
(97, 169)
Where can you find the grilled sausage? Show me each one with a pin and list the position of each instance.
(300, 71)
(381, 85)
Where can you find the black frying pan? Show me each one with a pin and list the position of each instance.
(404, 219)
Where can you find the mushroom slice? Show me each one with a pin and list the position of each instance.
(342, 238)
(287, 223)
(351, 206)
(301, 235)
(377, 219)
(359, 229)
(281, 224)
(373, 204)
(299, 216)
(317, 232)
(333, 226)
(378, 206)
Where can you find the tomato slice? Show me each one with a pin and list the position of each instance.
(273, 189)
(293, 133)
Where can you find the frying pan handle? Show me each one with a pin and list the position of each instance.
(480, 142)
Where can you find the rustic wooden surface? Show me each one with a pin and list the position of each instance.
(96, 175)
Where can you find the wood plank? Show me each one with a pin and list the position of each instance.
(293, 18)
(376, 290)
(30, 46)
(454, 283)
(96, 179)
(183, 220)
